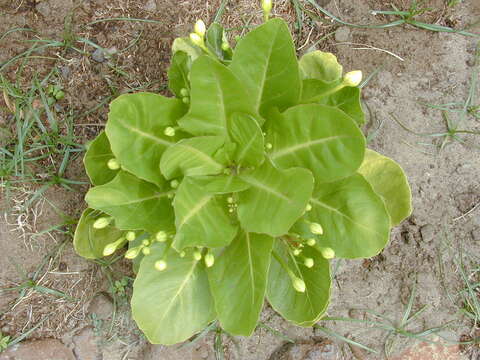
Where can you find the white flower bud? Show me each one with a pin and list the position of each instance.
(200, 28)
(308, 208)
(169, 131)
(316, 228)
(146, 251)
(209, 260)
(308, 262)
(268, 146)
(161, 236)
(130, 235)
(297, 252)
(353, 78)
(311, 242)
(230, 200)
(327, 252)
(146, 242)
(133, 252)
(113, 164)
(160, 265)
(196, 39)
(102, 222)
(298, 284)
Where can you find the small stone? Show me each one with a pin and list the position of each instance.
(476, 234)
(98, 55)
(45, 349)
(65, 71)
(150, 6)
(44, 9)
(342, 34)
(101, 305)
(427, 232)
(86, 344)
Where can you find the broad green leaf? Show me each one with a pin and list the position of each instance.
(135, 128)
(90, 242)
(221, 184)
(317, 137)
(266, 61)
(389, 181)
(305, 308)
(193, 156)
(354, 218)
(346, 99)
(238, 281)
(201, 218)
(275, 200)
(320, 65)
(96, 159)
(185, 44)
(246, 133)
(178, 73)
(172, 305)
(215, 95)
(214, 38)
(135, 204)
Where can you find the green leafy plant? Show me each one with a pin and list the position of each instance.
(242, 186)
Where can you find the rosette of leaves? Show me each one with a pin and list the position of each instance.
(240, 188)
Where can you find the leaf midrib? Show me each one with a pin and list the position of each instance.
(144, 134)
(291, 149)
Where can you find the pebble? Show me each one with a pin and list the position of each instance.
(427, 232)
(98, 55)
(45, 349)
(476, 234)
(342, 34)
(150, 6)
(101, 305)
(86, 344)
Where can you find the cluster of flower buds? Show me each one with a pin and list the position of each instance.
(198, 35)
(185, 94)
(232, 206)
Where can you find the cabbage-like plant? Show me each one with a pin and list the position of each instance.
(242, 186)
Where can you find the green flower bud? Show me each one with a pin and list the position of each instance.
(133, 252)
(327, 252)
(160, 265)
(146, 242)
(308, 262)
(112, 247)
(184, 92)
(161, 236)
(268, 146)
(197, 255)
(182, 254)
(200, 28)
(353, 78)
(196, 39)
(296, 252)
(113, 164)
(186, 100)
(146, 251)
(230, 200)
(130, 235)
(308, 207)
(316, 228)
(311, 242)
(169, 131)
(209, 260)
(102, 222)
(225, 46)
(298, 284)
(267, 6)
(174, 184)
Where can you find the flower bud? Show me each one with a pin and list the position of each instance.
(174, 184)
(130, 235)
(184, 92)
(225, 46)
(308, 262)
(186, 100)
(308, 208)
(268, 146)
(102, 222)
(113, 164)
(327, 252)
(146, 251)
(353, 78)
(297, 252)
(209, 260)
(169, 131)
(197, 255)
(182, 254)
(200, 28)
(160, 265)
(298, 284)
(133, 252)
(196, 39)
(311, 242)
(161, 236)
(230, 200)
(316, 228)
(267, 6)
(112, 247)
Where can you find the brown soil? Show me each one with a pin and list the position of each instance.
(416, 66)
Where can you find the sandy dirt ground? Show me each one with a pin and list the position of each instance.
(85, 317)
